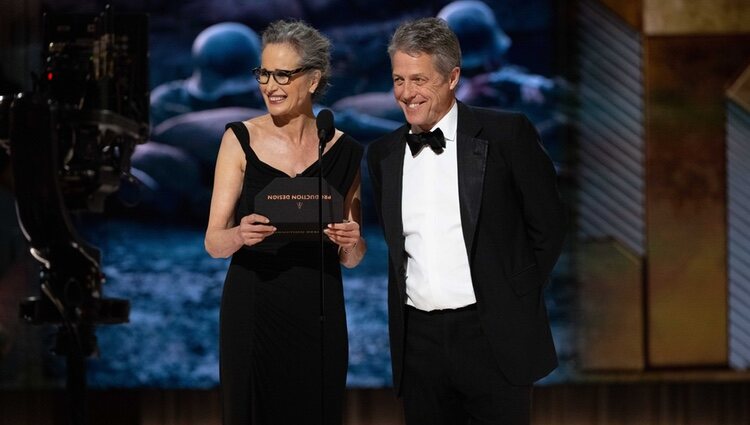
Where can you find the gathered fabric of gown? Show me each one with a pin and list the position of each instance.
(270, 351)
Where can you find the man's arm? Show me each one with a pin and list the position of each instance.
(536, 181)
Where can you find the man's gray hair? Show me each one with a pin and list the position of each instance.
(431, 36)
(313, 47)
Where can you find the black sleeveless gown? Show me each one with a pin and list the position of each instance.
(270, 347)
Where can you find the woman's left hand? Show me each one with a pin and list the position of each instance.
(346, 234)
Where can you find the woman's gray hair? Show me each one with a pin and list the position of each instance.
(431, 36)
(313, 47)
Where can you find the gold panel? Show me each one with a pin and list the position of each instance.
(739, 92)
(695, 16)
(686, 79)
(611, 307)
(629, 10)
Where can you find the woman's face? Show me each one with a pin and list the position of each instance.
(295, 96)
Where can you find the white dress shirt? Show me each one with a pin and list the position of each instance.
(437, 268)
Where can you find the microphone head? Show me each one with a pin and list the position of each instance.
(324, 122)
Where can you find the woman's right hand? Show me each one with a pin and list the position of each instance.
(254, 228)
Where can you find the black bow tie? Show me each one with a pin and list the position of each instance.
(433, 139)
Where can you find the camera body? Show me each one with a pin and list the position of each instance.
(96, 75)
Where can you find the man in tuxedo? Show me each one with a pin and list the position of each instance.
(474, 224)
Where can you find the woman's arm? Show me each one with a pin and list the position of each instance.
(223, 237)
(352, 246)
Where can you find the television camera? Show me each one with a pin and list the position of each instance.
(71, 140)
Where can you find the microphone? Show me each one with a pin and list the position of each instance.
(324, 122)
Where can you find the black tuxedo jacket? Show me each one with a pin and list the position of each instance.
(513, 224)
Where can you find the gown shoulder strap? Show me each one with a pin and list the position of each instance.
(240, 130)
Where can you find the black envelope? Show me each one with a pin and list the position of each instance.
(291, 204)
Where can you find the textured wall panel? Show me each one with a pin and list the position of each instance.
(610, 207)
(611, 159)
(738, 217)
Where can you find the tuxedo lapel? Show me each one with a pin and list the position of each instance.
(472, 159)
(393, 176)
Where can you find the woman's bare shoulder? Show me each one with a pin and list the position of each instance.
(259, 121)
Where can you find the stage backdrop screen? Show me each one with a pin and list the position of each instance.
(151, 233)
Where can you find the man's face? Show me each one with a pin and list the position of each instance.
(424, 94)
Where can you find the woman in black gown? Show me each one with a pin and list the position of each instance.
(270, 313)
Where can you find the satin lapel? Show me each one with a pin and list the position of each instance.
(472, 159)
(393, 175)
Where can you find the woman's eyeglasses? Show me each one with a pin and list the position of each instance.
(282, 76)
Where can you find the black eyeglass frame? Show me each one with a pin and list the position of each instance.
(287, 74)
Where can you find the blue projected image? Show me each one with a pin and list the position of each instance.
(200, 70)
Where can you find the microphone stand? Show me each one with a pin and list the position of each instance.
(321, 146)
(326, 130)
